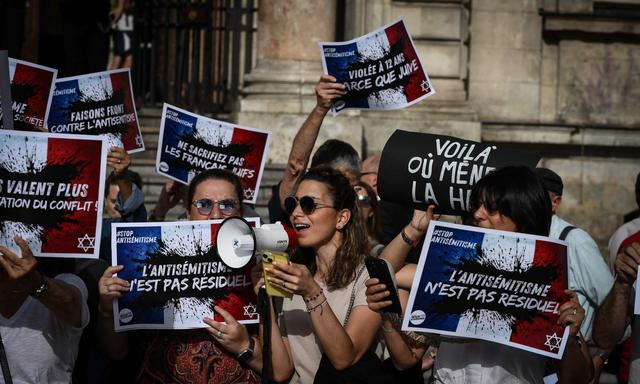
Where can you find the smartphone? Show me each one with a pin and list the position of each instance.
(381, 270)
(268, 257)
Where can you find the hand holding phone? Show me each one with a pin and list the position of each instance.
(381, 270)
(268, 257)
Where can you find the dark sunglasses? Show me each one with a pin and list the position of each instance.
(205, 206)
(307, 204)
(363, 200)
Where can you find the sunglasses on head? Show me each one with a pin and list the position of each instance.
(205, 206)
(307, 204)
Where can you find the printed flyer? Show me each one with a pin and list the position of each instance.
(504, 287)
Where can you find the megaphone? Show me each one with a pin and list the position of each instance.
(238, 241)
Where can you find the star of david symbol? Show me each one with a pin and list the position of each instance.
(250, 310)
(425, 85)
(248, 193)
(85, 243)
(553, 342)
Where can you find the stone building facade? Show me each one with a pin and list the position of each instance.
(561, 77)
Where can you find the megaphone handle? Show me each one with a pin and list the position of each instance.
(265, 313)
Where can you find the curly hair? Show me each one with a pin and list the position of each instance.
(350, 255)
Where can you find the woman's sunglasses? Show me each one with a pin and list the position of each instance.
(307, 204)
(364, 200)
(205, 206)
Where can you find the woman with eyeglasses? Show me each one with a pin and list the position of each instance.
(327, 270)
(221, 353)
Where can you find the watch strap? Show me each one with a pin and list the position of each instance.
(247, 354)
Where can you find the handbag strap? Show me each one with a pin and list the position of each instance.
(263, 307)
(4, 363)
(353, 296)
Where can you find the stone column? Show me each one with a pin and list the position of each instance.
(289, 30)
(278, 92)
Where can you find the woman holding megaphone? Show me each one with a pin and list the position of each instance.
(223, 352)
(324, 331)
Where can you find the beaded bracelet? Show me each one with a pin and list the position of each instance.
(319, 306)
(314, 297)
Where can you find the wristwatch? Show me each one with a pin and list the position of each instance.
(42, 289)
(247, 354)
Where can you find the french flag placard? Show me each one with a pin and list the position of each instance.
(381, 70)
(177, 276)
(190, 143)
(31, 91)
(498, 286)
(51, 192)
(97, 104)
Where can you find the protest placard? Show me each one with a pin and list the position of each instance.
(177, 276)
(381, 70)
(504, 287)
(97, 104)
(51, 192)
(31, 92)
(190, 143)
(6, 115)
(420, 168)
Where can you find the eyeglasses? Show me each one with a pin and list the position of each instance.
(205, 206)
(307, 204)
(364, 200)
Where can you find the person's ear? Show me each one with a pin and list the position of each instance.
(344, 216)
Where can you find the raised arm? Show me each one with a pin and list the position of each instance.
(119, 160)
(62, 299)
(327, 90)
(396, 251)
(614, 314)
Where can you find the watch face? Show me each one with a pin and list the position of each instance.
(245, 356)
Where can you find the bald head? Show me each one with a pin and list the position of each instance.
(370, 171)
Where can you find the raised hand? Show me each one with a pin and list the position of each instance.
(626, 265)
(111, 287)
(23, 270)
(294, 278)
(119, 159)
(376, 295)
(327, 90)
(571, 313)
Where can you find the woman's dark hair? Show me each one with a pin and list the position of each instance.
(350, 255)
(373, 225)
(516, 193)
(215, 174)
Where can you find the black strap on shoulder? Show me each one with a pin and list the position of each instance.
(4, 363)
(565, 232)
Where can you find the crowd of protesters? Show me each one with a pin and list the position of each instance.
(56, 317)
